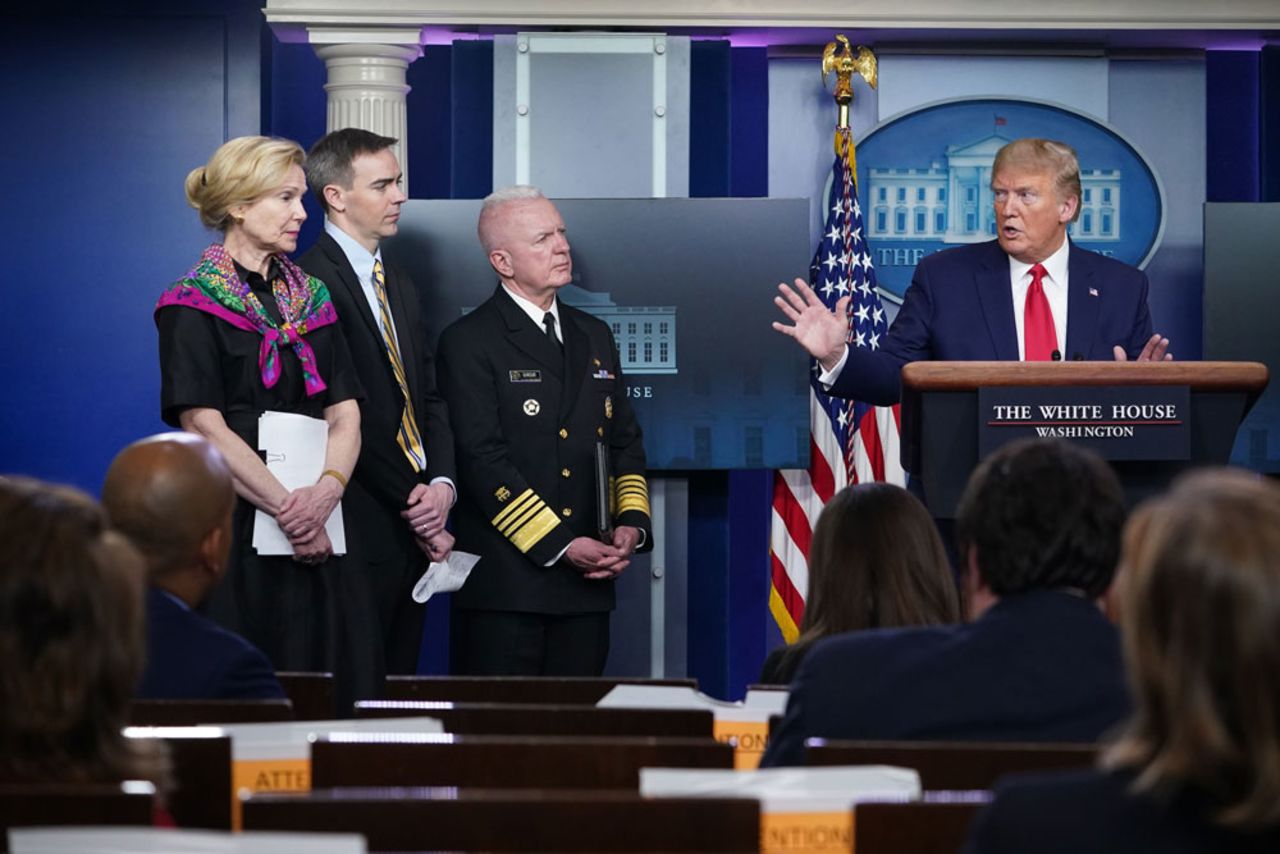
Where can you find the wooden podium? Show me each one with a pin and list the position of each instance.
(940, 415)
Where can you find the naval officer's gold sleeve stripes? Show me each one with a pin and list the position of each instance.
(632, 493)
(525, 521)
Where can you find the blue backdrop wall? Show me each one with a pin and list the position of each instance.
(122, 103)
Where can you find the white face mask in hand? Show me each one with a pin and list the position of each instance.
(445, 577)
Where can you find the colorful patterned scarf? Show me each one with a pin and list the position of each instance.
(214, 287)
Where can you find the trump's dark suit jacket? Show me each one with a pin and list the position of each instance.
(959, 307)
(1038, 666)
(190, 657)
(527, 419)
(1094, 811)
(383, 476)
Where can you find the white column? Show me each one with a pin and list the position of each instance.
(367, 86)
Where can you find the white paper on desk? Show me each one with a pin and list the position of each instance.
(295, 447)
(445, 577)
(758, 706)
(787, 789)
(156, 840)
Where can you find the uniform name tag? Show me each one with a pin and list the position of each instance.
(525, 376)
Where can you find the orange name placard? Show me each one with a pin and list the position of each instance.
(806, 832)
(750, 738)
(267, 775)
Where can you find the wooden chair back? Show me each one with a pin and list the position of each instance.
(61, 804)
(569, 691)
(311, 694)
(196, 712)
(526, 719)
(924, 827)
(954, 765)
(503, 762)
(514, 820)
(201, 770)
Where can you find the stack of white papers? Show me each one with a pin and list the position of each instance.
(295, 446)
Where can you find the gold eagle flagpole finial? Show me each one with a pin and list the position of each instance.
(844, 63)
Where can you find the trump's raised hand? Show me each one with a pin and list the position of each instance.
(819, 330)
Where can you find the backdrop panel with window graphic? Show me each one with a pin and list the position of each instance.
(687, 286)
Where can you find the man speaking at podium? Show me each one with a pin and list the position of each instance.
(1029, 295)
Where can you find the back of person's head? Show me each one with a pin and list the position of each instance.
(239, 172)
(330, 160)
(1042, 514)
(71, 639)
(1199, 594)
(171, 495)
(876, 561)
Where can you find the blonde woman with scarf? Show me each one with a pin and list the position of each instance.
(243, 333)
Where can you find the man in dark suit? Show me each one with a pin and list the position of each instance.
(1039, 531)
(1029, 295)
(536, 393)
(172, 496)
(402, 488)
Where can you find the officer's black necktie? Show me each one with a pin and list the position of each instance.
(549, 323)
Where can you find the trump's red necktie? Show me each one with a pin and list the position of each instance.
(1039, 337)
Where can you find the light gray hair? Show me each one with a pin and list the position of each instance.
(494, 201)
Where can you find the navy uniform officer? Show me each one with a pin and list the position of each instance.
(532, 386)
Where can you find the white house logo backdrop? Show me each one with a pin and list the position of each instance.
(645, 335)
(924, 178)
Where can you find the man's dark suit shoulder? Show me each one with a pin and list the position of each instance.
(967, 255)
(1096, 811)
(191, 657)
(485, 312)
(488, 312)
(1039, 666)
(972, 256)
(321, 259)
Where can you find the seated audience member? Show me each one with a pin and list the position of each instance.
(1197, 767)
(172, 496)
(876, 562)
(1038, 528)
(71, 641)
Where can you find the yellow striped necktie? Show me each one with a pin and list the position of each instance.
(409, 439)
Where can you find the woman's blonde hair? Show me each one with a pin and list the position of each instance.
(241, 170)
(72, 625)
(1200, 612)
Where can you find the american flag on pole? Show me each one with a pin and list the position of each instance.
(849, 442)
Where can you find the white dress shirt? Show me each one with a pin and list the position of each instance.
(361, 261)
(535, 313)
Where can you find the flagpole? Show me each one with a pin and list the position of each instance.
(849, 442)
(844, 64)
